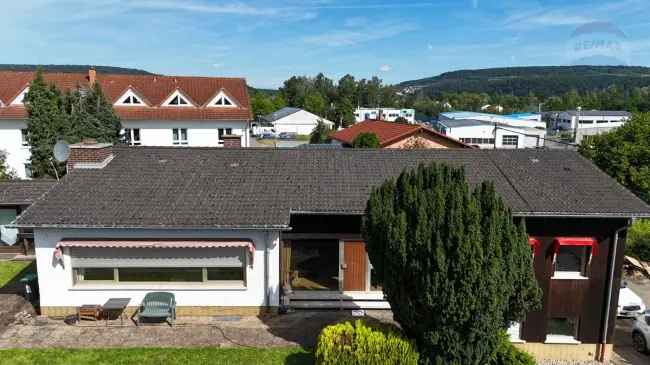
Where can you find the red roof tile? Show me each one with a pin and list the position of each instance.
(388, 132)
(154, 89)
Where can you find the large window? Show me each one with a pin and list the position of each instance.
(562, 330)
(314, 265)
(132, 136)
(179, 136)
(477, 140)
(24, 137)
(509, 140)
(571, 262)
(213, 266)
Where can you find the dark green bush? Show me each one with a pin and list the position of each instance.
(359, 344)
(508, 354)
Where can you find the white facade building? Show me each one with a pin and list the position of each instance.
(587, 122)
(155, 110)
(294, 120)
(525, 120)
(485, 135)
(387, 114)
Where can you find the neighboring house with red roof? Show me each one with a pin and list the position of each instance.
(397, 135)
(155, 110)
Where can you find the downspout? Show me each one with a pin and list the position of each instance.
(610, 286)
(267, 296)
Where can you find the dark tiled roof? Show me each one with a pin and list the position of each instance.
(23, 192)
(279, 114)
(209, 187)
(154, 89)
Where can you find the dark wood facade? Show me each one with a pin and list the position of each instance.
(582, 299)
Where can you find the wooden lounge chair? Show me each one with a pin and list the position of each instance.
(160, 305)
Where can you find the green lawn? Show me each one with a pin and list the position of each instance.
(10, 269)
(145, 356)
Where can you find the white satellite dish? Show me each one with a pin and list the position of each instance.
(61, 151)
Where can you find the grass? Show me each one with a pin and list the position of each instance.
(146, 356)
(10, 270)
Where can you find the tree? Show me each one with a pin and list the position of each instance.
(6, 173)
(454, 266)
(624, 154)
(366, 140)
(46, 123)
(76, 115)
(320, 134)
(315, 103)
(344, 113)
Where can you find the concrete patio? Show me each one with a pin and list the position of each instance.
(293, 329)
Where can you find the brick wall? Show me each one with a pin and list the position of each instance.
(231, 141)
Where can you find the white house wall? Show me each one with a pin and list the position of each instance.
(56, 280)
(487, 131)
(199, 133)
(11, 142)
(302, 122)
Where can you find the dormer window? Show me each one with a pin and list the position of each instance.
(130, 98)
(19, 100)
(222, 101)
(177, 99)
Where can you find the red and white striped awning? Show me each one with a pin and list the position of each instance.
(153, 243)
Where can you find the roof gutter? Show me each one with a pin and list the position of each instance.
(73, 226)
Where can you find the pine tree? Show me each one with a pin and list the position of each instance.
(320, 134)
(453, 265)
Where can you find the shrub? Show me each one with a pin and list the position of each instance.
(638, 240)
(359, 344)
(508, 354)
(366, 140)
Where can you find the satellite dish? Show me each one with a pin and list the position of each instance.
(61, 151)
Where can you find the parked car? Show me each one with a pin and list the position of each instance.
(268, 134)
(288, 135)
(641, 333)
(629, 304)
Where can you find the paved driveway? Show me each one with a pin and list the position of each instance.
(625, 353)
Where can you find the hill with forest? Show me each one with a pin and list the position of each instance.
(543, 81)
(74, 69)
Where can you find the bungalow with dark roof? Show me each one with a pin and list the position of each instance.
(195, 223)
(155, 110)
(397, 135)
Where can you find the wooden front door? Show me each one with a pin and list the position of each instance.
(355, 268)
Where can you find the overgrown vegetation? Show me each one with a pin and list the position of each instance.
(624, 154)
(72, 116)
(508, 354)
(320, 134)
(452, 262)
(366, 140)
(6, 173)
(360, 344)
(638, 240)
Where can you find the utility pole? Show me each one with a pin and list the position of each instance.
(575, 129)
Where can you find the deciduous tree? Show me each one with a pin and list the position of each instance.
(366, 140)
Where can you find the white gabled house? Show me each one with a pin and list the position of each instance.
(155, 110)
(294, 120)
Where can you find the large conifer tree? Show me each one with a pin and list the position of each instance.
(453, 264)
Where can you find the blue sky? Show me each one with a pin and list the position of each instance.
(268, 41)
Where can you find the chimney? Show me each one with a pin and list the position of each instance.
(231, 141)
(88, 154)
(92, 76)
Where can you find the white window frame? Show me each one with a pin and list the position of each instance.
(128, 99)
(29, 173)
(573, 275)
(180, 96)
(564, 339)
(20, 98)
(178, 132)
(510, 137)
(220, 134)
(130, 134)
(214, 103)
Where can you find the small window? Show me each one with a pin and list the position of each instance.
(586, 121)
(28, 170)
(223, 132)
(132, 99)
(179, 136)
(24, 137)
(603, 121)
(571, 262)
(225, 273)
(164, 274)
(132, 136)
(509, 140)
(178, 100)
(561, 329)
(95, 274)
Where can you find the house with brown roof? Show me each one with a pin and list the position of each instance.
(191, 222)
(155, 110)
(397, 135)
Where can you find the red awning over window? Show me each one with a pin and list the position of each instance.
(576, 241)
(534, 244)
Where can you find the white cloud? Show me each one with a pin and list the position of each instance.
(338, 38)
(217, 65)
(385, 68)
